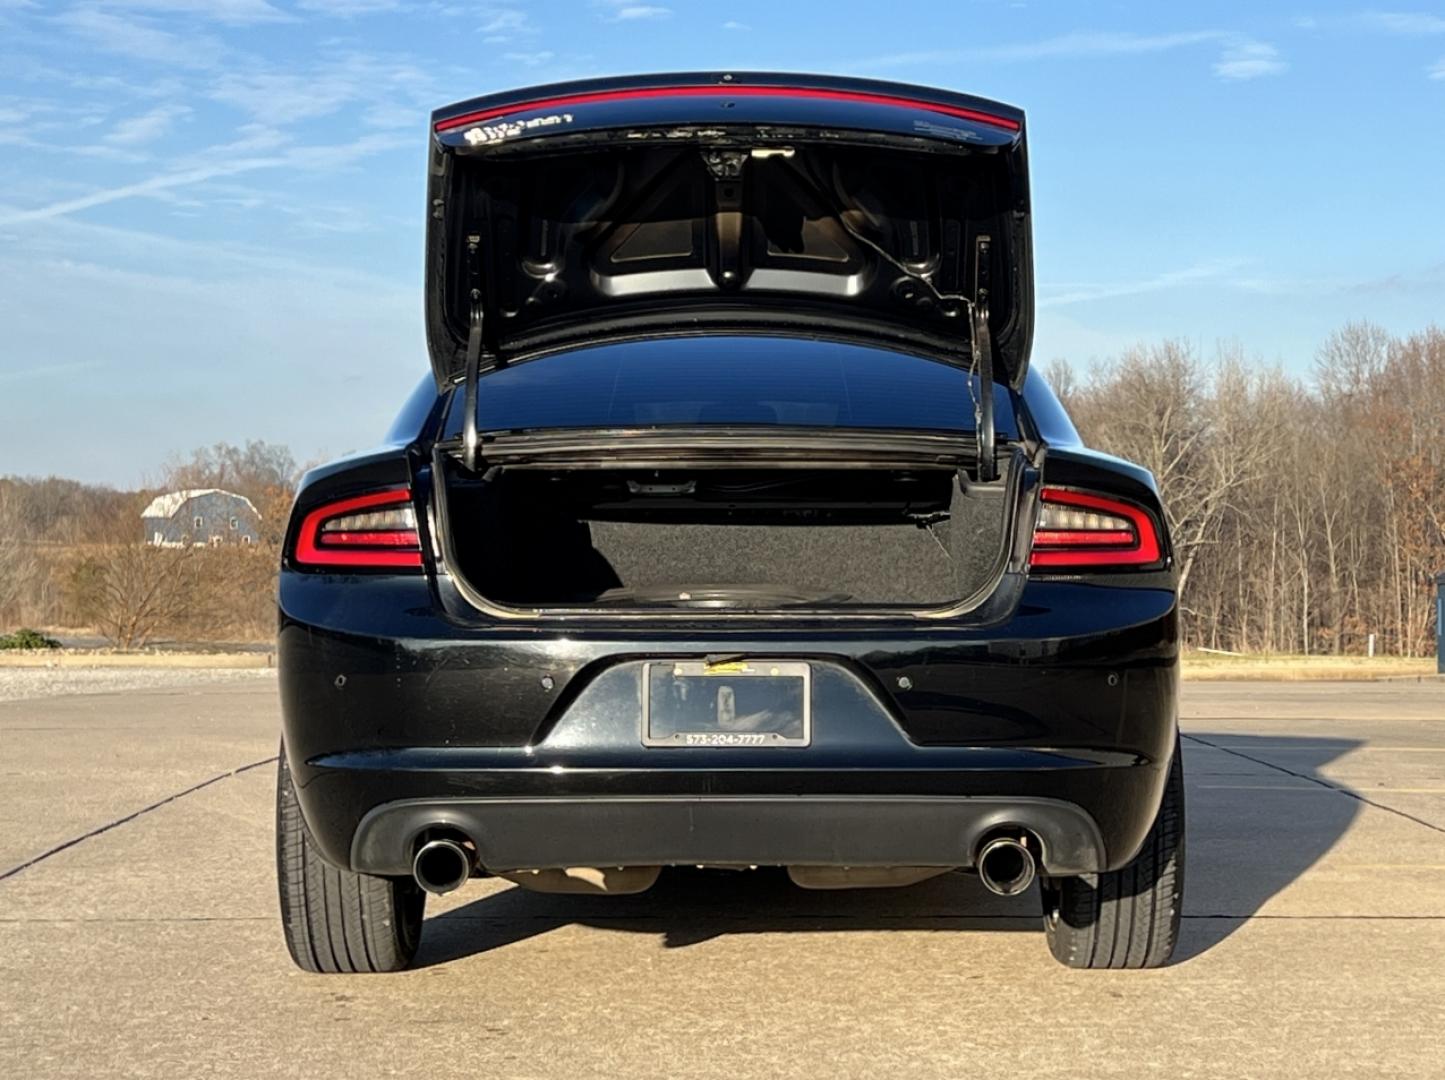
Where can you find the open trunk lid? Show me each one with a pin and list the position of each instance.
(639, 207)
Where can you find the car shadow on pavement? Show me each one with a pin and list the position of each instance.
(1259, 816)
(1260, 813)
(688, 906)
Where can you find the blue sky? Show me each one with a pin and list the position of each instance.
(211, 210)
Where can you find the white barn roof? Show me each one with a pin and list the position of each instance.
(166, 505)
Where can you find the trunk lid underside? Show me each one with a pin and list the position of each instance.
(853, 210)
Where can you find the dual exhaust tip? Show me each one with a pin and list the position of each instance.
(1006, 866)
(443, 865)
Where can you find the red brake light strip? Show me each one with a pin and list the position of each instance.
(1100, 547)
(1082, 537)
(391, 538)
(358, 548)
(641, 93)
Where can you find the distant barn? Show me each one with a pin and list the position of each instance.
(199, 517)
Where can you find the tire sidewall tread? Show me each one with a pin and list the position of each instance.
(1126, 918)
(336, 921)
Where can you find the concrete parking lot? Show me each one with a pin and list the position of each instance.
(1314, 941)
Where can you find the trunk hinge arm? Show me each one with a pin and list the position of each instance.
(982, 367)
(470, 438)
(981, 342)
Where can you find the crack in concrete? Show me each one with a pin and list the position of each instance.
(66, 845)
(1315, 780)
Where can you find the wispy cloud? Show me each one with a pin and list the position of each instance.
(1407, 23)
(1249, 60)
(1059, 47)
(395, 114)
(627, 11)
(21, 120)
(89, 78)
(147, 127)
(283, 98)
(189, 259)
(1412, 24)
(1239, 53)
(139, 38)
(223, 162)
(529, 59)
(276, 98)
(1415, 280)
(1100, 44)
(733, 24)
(48, 371)
(504, 24)
(1397, 23)
(253, 139)
(1427, 279)
(229, 12)
(1077, 293)
(334, 157)
(148, 186)
(346, 9)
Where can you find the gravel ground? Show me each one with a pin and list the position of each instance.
(19, 684)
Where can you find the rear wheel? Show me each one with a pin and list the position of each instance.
(1127, 918)
(336, 921)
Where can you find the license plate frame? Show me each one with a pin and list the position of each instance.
(793, 681)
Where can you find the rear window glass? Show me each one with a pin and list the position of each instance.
(730, 380)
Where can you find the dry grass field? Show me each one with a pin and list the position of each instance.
(1288, 667)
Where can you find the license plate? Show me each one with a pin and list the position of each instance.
(730, 703)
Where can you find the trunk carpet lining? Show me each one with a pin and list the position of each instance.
(516, 548)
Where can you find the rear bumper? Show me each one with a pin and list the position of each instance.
(1060, 720)
(808, 830)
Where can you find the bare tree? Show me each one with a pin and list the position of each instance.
(1198, 430)
(17, 556)
(132, 592)
(1305, 516)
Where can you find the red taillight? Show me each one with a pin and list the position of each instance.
(1075, 529)
(376, 529)
(597, 97)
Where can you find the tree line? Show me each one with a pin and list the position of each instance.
(1307, 512)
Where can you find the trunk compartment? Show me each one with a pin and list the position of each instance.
(747, 538)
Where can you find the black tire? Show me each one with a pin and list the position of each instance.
(336, 921)
(1127, 918)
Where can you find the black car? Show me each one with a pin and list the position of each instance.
(732, 530)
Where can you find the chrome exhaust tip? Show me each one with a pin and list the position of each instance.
(1006, 866)
(441, 866)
